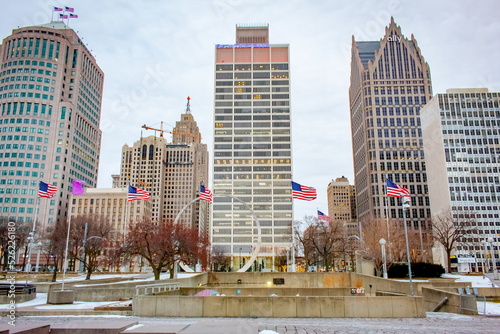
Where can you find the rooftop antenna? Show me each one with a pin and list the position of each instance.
(188, 107)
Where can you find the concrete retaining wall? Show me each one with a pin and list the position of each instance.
(489, 293)
(264, 292)
(279, 307)
(19, 298)
(456, 303)
(95, 291)
(298, 280)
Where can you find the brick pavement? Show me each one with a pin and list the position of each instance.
(434, 323)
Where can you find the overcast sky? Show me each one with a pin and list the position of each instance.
(156, 53)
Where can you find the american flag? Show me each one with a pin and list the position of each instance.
(205, 194)
(394, 190)
(322, 216)
(69, 9)
(61, 16)
(58, 9)
(303, 192)
(46, 190)
(135, 194)
(73, 16)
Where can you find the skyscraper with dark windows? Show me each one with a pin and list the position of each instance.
(252, 149)
(50, 103)
(390, 83)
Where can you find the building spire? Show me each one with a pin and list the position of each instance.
(188, 107)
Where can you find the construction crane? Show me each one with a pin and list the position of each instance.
(174, 132)
(154, 129)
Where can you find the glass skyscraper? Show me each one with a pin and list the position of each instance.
(252, 148)
(50, 104)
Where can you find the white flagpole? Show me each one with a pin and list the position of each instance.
(386, 200)
(65, 264)
(30, 247)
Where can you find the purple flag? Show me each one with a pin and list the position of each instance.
(78, 188)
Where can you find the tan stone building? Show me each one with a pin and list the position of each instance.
(170, 172)
(112, 205)
(341, 197)
(390, 83)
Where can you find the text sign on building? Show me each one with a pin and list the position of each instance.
(466, 260)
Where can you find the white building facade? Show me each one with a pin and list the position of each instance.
(252, 149)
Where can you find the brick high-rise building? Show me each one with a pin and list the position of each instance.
(390, 83)
(50, 103)
(252, 148)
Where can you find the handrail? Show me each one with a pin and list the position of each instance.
(151, 289)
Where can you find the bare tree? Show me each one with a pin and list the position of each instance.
(54, 245)
(21, 233)
(321, 239)
(162, 245)
(220, 260)
(88, 248)
(376, 229)
(304, 246)
(281, 259)
(451, 229)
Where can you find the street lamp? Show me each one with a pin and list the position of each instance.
(485, 259)
(493, 259)
(406, 205)
(384, 265)
(240, 259)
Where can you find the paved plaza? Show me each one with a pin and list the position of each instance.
(433, 323)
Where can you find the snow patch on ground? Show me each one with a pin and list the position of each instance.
(477, 281)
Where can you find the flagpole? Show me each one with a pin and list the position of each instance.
(30, 247)
(386, 200)
(405, 206)
(65, 264)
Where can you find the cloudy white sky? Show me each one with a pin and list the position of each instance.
(156, 53)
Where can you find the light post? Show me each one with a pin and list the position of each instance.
(485, 259)
(406, 205)
(493, 259)
(384, 264)
(39, 245)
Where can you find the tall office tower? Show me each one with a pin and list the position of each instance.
(341, 197)
(143, 166)
(171, 173)
(462, 149)
(50, 100)
(252, 148)
(390, 83)
(186, 168)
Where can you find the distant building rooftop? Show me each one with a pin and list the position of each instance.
(367, 51)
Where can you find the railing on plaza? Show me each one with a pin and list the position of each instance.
(151, 289)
